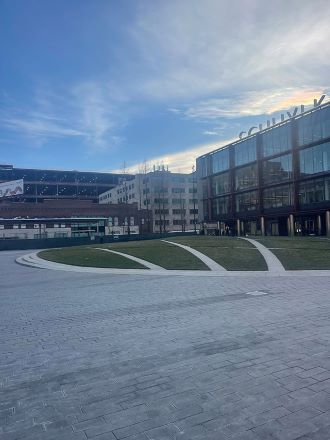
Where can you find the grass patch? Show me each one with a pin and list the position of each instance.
(89, 257)
(231, 253)
(157, 252)
(300, 253)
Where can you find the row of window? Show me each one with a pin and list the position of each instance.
(315, 191)
(311, 128)
(312, 161)
(180, 202)
(176, 211)
(175, 222)
(33, 226)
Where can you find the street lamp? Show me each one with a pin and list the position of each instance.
(194, 198)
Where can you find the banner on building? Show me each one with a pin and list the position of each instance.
(12, 188)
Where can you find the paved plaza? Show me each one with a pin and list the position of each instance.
(106, 357)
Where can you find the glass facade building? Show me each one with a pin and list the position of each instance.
(277, 179)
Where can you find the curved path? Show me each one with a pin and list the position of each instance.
(131, 257)
(206, 260)
(273, 263)
(33, 260)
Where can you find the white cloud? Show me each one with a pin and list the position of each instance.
(192, 49)
(252, 103)
(181, 162)
(88, 111)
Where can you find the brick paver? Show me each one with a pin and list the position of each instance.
(93, 356)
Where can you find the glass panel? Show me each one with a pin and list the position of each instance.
(220, 161)
(246, 177)
(278, 169)
(201, 167)
(220, 206)
(314, 127)
(246, 151)
(314, 191)
(278, 197)
(315, 160)
(220, 184)
(247, 201)
(276, 140)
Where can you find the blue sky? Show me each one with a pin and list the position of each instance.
(90, 85)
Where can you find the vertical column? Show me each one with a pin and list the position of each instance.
(327, 223)
(319, 225)
(238, 223)
(291, 225)
(262, 224)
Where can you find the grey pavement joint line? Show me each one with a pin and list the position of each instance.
(273, 263)
(131, 257)
(206, 260)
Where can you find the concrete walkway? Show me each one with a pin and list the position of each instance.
(138, 260)
(206, 260)
(273, 263)
(32, 260)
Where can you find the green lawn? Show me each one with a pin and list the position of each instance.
(90, 257)
(232, 253)
(163, 254)
(300, 253)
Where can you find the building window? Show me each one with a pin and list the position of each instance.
(193, 201)
(178, 179)
(247, 201)
(246, 151)
(315, 160)
(161, 211)
(15, 226)
(201, 167)
(193, 211)
(276, 140)
(220, 184)
(161, 201)
(192, 190)
(178, 190)
(278, 197)
(314, 191)
(220, 206)
(220, 161)
(162, 222)
(314, 127)
(2, 226)
(179, 222)
(178, 201)
(278, 169)
(246, 177)
(179, 211)
(35, 226)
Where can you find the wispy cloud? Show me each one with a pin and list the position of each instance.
(181, 162)
(193, 49)
(252, 103)
(86, 111)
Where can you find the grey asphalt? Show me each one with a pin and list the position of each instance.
(106, 357)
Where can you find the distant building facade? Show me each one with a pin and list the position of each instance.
(274, 182)
(68, 218)
(55, 184)
(169, 199)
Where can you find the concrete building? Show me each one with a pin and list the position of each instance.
(168, 198)
(275, 181)
(67, 218)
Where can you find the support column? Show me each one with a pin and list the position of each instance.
(291, 225)
(262, 224)
(327, 223)
(319, 225)
(238, 223)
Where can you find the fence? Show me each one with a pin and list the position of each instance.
(45, 243)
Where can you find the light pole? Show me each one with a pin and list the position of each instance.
(194, 199)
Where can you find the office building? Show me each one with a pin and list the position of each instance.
(273, 182)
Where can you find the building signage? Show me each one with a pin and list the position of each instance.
(12, 188)
(290, 115)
